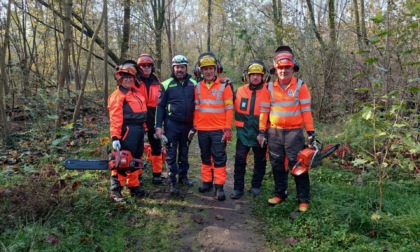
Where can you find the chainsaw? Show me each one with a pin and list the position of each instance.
(119, 160)
(311, 157)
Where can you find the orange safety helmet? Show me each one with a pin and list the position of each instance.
(126, 69)
(145, 59)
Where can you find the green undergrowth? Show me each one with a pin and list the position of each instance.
(344, 214)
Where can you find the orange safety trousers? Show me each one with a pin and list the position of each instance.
(131, 179)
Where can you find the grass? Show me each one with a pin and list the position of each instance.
(343, 215)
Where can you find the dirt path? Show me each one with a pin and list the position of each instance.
(212, 225)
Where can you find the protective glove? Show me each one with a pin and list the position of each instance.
(227, 135)
(158, 133)
(116, 145)
(311, 137)
(262, 140)
(191, 134)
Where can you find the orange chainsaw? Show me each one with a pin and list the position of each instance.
(311, 157)
(118, 160)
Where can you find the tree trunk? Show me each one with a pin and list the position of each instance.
(208, 26)
(126, 31)
(106, 55)
(65, 60)
(3, 77)
(363, 23)
(92, 43)
(331, 22)
(158, 7)
(357, 24)
(278, 21)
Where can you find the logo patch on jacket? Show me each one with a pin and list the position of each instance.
(290, 92)
(213, 91)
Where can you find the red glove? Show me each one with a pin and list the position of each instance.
(227, 136)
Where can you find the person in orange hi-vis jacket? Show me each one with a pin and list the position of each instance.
(150, 85)
(127, 114)
(289, 112)
(213, 118)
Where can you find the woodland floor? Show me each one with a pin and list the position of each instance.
(212, 225)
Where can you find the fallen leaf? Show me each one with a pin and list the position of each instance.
(52, 239)
(219, 217)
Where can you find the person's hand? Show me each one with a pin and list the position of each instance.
(261, 138)
(191, 134)
(311, 138)
(158, 133)
(116, 145)
(227, 134)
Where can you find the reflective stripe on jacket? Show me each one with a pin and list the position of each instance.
(248, 102)
(213, 106)
(125, 107)
(289, 108)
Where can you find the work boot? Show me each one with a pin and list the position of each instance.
(174, 189)
(256, 191)
(185, 181)
(116, 195)
(206, 187)
(157, 178)
(237, 194)
(303, 207)
(275, 201)
(220, 194)
(137, 192)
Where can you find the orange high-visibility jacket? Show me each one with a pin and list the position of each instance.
(125, 107)
(152, 93)
(213, 106)
(289, 108)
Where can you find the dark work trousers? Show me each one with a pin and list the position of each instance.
(213, 154)
(260, 162)
(288, 143)
(134, 142)
(177, 148)
(155, 144)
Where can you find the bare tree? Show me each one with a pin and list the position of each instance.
(65, 59)
(89, 59)
(126, 31)
(158, 7)
(106, 54)
(357, 24)
(3, 76)
(208, 25)
(278, 21)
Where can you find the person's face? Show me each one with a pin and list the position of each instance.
(127, 81)
(284, 73)
(180, 71)
(209, 72)
(146, 69)
(255, 79)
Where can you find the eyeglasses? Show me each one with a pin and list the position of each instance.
(146, 66)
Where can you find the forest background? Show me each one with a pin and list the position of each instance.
(359, 58)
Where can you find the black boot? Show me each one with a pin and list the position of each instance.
(220, 194)
(137, 192)
(183, 180)
(174, 188)
(157, 178)
(116, 195)
(206, 187)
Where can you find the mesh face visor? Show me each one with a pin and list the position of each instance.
(284, 59)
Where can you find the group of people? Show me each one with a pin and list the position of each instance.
(268, 116)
